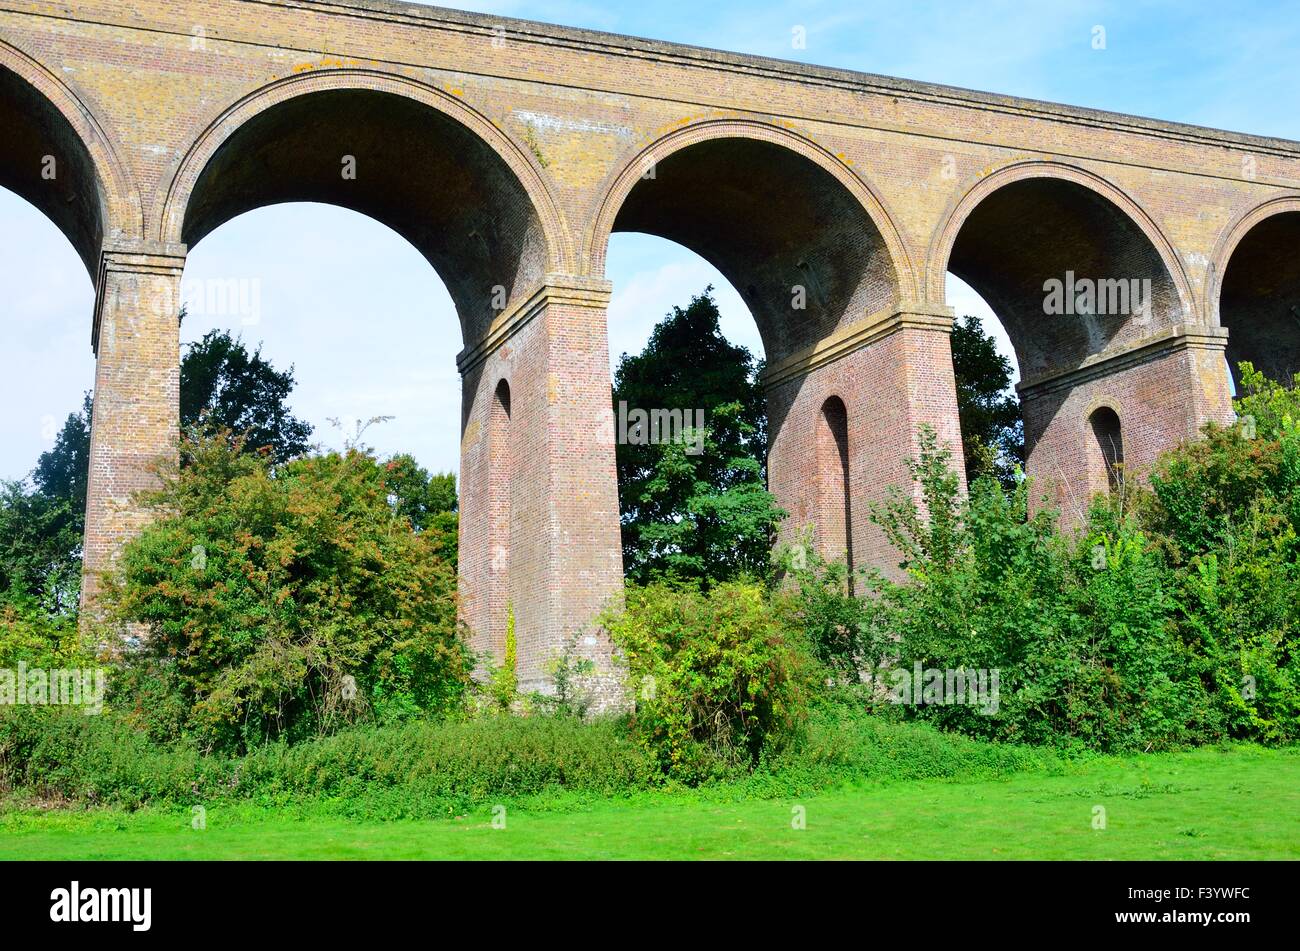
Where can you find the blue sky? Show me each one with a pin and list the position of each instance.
(370, 329)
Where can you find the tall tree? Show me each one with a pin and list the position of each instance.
(702, 514)
(41, 524)
(992, 430)
(222, 386)
(61, 473)
(226, 387)
(40, 549)
(427, 501)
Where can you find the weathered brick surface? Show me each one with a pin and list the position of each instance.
(890, 386)
(1162, 394)
(137, 397)
(507, 152)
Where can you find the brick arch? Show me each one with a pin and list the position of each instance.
(114, 212)
(1102, 475)
(833, 525)
(823, 180)
(506, 189)
(1264, 288)
(1079, 193)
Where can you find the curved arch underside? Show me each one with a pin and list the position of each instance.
(772, 222)
(417, 171)
(1260, 299)
(45, 162)
(1034, 230)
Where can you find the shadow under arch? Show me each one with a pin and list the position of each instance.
(772, 211)
(1011, 231)
(1254, 288)
(813, 254)
(57, 156)
(406, 154)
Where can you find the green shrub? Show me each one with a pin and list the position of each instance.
(412, 769)
(288, 600)
(28, 633)
(1226, 512)
(817, 597)
(1171, 619)
(59, 754)
(717, 679)
(1079, 631)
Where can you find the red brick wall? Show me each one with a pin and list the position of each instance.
(857, 184)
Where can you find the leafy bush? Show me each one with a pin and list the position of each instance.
(1226, 511)
(717, 679)
(1079, 631)
(1171, 619)
(285, 600)
(30, 635)
(420, 768)
(817, 598)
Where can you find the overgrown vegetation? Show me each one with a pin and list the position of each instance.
(282, 600)
(719, 681)
(431, 768)
(1169, 619)
(301, 634)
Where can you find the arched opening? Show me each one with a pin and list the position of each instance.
(44, 161)
(1067, 271)
(501, 465)
(798, 246)
(833, 495)
(1106, 450)
(1259, 301)
(53, 214)
(1074, 277)
(395, 159)
(352, 308)
(986, 371)
(45, 363)
(794, 236)
(448, 183)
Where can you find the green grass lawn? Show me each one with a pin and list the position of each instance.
(1207, 804)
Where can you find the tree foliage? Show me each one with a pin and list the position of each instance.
(40, 547)
(705, 515)
(427, 501)
(42, 524)
(281, 600)
(991, 426)
(225, 387)
(62, 472)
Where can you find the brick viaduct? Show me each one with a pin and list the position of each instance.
(507, 152)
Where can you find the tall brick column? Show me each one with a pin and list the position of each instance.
(1164, 390)
(893, 372)
(560, 561)
(136, 338)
